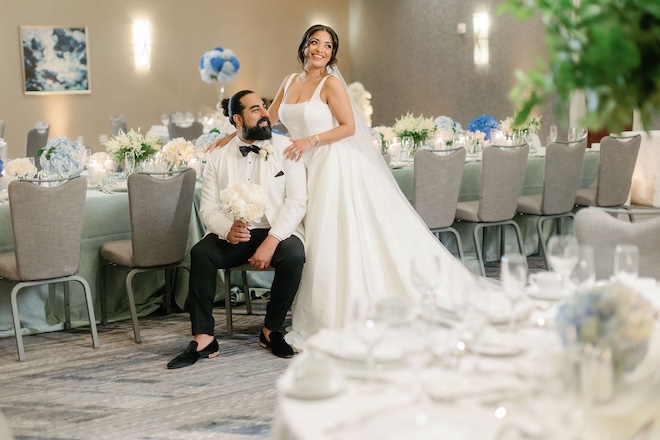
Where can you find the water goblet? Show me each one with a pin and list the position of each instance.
(553, 133)
(129, 164)
(572, 134)
(584, 274)
(563, 255)
(407, 144)
(514, 280)
(369, 331)
(626, 263)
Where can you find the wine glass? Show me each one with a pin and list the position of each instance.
(407, 143)
(563, 255)
(514, 280)
(584, 273)
(626, 262)
(553, 133)
(369, 331)
(129, 164)
(572, 134)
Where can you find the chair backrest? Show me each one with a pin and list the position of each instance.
(563, 164)
(189, 133)
(615, 169)
(604, 232)
(437, 184)
(36, 139)
(502, 175)
(118, 123)
(2, 128)
(160, 216)
(47, 225)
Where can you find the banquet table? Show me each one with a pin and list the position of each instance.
(495, 389)
(645, 188)
(470, 189)
(106, 219)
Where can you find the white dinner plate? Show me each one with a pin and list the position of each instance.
(499, 344)
(319, 391)
(545, 295)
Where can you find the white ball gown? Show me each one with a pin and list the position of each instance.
(364, 241)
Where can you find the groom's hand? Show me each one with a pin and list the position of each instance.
(238, 233)
(264, 254)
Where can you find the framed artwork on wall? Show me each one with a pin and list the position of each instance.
(55, 59)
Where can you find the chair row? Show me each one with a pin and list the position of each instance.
(437, 185)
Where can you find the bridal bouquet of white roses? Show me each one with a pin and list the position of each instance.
(244, 201)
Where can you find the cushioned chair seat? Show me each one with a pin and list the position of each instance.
(586, 196)
(8, 267)
(468, 211)
(119, 252)
(530, 204)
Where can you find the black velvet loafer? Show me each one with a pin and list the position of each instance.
(277, 345)
(191, 355)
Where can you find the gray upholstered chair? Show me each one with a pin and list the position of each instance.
(437, 184)
(160, 208)
(118, 123)
(618, 156)
(502, 175)
(602, 231)
(189, 133)
(47, 224)
(561, 178)
(244, 268)
(36, 139)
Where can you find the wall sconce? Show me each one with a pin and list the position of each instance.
(142, 44)
(481, 27)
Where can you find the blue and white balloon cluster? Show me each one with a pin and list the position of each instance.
(218, 65)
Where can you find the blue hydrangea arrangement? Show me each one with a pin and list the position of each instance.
(447, 123)
(218, 65)
(63, 157)
(483, 123)
(207, 139)
(613, 316)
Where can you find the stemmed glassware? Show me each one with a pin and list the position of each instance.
(553, 133)
(407, 144)
(514, 280)
(369, 331)
(563, 253)
(626, 262)
(584, 273)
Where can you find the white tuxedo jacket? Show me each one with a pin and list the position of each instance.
(285, 182)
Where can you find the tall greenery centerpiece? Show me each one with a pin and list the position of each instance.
(133, 143)
(608, 49)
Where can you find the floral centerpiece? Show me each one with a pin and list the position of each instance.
(363, 100)
(446, 129)
(386, 135)
(419, 128)
(613, 316)
(205, 140)
(178, 152)
(219, 65)
(483, 123)
(22, 168)
(244, 201)
(134, 143)
(63, 157)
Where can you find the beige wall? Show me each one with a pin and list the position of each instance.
(264, 35)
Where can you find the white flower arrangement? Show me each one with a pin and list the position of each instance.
(139, 145)
(100, 157)
(178, 151)
(445, 122)
(363, 100)
(387, 134)
(506, 126)
(419, 128)
(218, 65)
(532, 125)
(21, 168)
(244, 201)
(63, 157)
(265, 151)
(478, 137)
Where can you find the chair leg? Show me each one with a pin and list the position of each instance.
(459, 244)
(477, 247)
(17, 323)
(543, 250)
(230, 329)
(131, 304)
(90, 310)
(248, 296)
(67, 306)
(521, 245)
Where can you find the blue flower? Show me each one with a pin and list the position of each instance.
(2, 167)
(483, 123)
(447, 123)
(218, 64)
(63, 157)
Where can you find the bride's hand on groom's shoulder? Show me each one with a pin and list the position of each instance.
(220, 142)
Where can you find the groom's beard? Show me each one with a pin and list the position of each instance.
(257, 133)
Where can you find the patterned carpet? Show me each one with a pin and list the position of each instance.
(68, 390)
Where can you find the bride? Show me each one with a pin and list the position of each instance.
(364, 241)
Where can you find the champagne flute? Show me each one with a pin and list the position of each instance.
(369, 331)
(572, 134)
(129, 164)
(584, 273)
(407, 143)
(626, 263)
(563, 255)
(553, 133)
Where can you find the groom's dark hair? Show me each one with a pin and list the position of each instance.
(233, 105)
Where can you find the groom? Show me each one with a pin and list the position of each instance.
(254, 156)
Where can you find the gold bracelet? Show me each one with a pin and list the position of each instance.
(309, 139)
(318, 142)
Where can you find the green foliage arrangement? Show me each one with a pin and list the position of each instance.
(608, 49)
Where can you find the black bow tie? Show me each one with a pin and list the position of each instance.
(245, 149)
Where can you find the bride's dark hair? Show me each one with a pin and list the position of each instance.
(305, 42)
